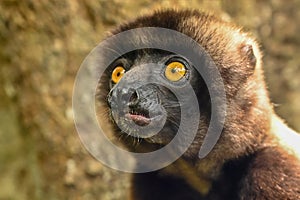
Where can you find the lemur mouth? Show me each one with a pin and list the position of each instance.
(139, 116)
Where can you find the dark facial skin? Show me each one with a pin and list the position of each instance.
(143, 103)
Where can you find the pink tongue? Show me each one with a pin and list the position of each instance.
(139, 119)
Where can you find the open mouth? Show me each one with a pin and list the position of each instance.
(139, 116)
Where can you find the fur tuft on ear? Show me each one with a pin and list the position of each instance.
(247, 51)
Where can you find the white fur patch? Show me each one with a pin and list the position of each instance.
(286, 137)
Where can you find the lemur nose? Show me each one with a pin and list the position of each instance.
(134, 98)
(129, 96)
(123, 96)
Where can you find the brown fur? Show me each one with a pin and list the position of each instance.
(249, 160)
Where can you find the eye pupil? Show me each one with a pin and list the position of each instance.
(175, 71)
(117, 74)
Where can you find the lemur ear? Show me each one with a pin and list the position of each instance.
(248, 53)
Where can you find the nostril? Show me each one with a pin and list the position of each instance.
(122, 97)
(134, 97)
(128, 96)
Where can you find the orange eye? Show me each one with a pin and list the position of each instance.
(117, 74)
(175, 71)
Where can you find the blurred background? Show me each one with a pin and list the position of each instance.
(42, 44)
